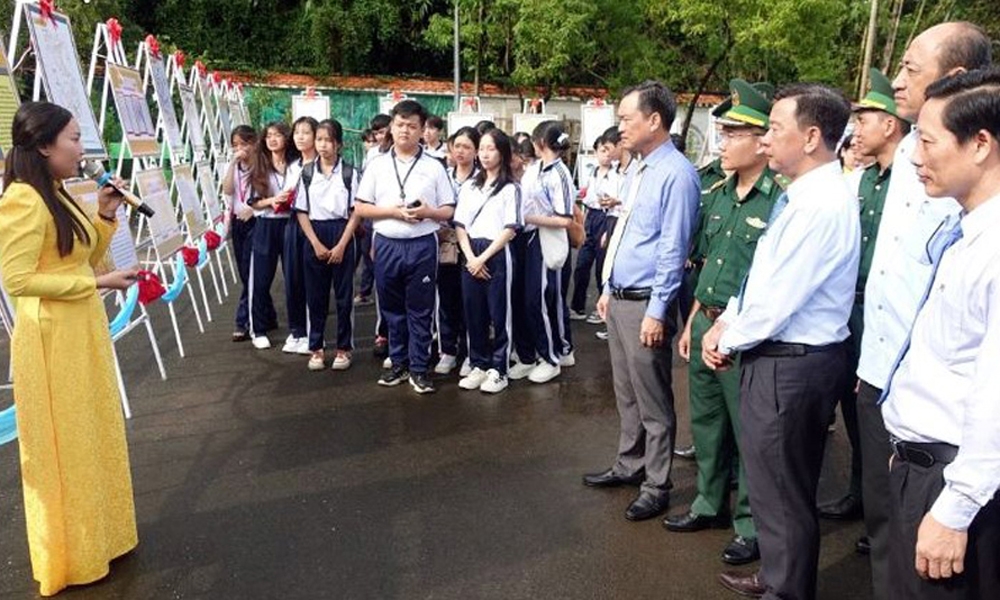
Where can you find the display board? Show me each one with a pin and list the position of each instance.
(165, 102)
(595, 119)
(225, 119)
(163, 226)
(236, 111)
(209, 193)
(458, 120)
(55, 50)
(190, 106)
(317, 107)
(187, 192)
(205, 97)
(527, 122)
(133, 110)
(121, 253)
(10, 99)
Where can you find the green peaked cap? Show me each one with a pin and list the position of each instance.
(880, 96)
(751, 106)
(765, 88)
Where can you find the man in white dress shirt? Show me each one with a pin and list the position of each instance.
(898, 276)
(790, 323)
(942, 401)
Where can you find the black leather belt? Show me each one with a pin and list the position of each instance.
(778, 349)
(634, 294)
(923, 454)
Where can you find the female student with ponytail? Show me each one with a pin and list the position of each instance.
(236, 186)
(451, 321)
(271, 187)
(300, 172)
(548, 213)
(325, 207)
(487, 219)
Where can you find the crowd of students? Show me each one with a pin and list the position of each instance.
(464, 240)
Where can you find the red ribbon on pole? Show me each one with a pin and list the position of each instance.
(212, 240)
(45, 9)
(397, 95)
(201, 67)
(598, 101)
(216, 78)
(150, 287)
(153, 45)
(179, 58)
(311, 92)
(114, 30)
(191, 256)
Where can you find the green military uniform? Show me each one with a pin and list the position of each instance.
(727, 237)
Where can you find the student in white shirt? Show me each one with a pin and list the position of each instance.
(271, 185)
(236, 187)
(304, 136)
(487, 219)
(407, 194)
(383, 138)
(548, 211)
(522, 338)
(463, 145)
(941, 403)
(434, 145)
(602, 183)
(325, 205)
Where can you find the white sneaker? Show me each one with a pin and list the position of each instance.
(387, 363)
(291, 345)
(261, 342)
(317, 361)
(342, 361)
(567, 360)
(577, 316)
(520, 370)
(473, 380)
(544, 372)
(466, 368)
(495, 382)
(446, 364)
(601, 335)
(302, 346)
(595, 319)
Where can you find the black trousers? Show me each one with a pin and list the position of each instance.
(913, 491)
(786, 404)
(875, 451)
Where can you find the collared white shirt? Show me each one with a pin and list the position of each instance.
(279, 182)
(599, 185)
(428, 182)
(484, 214)
(440, 153)
(947, 388)
(373, 152)
(327, 198)
(800, 288)
(900, 267)
(458, 185)
(551, 193)
(242, 188)
(619, 193)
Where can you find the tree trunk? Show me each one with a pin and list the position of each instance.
(702, 86)
(479, 45)
(890, 47)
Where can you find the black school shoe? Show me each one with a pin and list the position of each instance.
(394, 376)
(421, 384)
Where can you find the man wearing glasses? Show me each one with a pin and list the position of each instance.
(735, 215)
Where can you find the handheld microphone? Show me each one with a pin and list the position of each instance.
(95, 170)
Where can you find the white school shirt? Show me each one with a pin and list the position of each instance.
(440, 153)
(485, 215)
(428, 182)
(800, 288)
(552, 193)
(900, 267)
(279, 183)
(947, 388)
(598, 184)
(242, 189)
(372, 153)
(453, 175)
(328, 197)
(619, 193)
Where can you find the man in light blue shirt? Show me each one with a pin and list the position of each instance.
(643, 271)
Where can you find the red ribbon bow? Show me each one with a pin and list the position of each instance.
(191, 256)
(470, 102)
(114, 30)
(311, 92)
(212, 240)
(179, 58)
(201, 67)
(216, 77)
(239, 86)
(397, 95)
(45, 9)
(153, 45)
(598, 101)
(150, 287)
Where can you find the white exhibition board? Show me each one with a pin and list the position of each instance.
(226, 122)
(55, 49)
(191, 117)
(165, 102)
(187, 191)
(317, 107)
(209, 193)
(121, 253)
(205, 97)
(163, 226)
(10, 100)
(133, 110)
(527, 122)
(594, 121)
(388, 102)
(236, 111)
(458, 120)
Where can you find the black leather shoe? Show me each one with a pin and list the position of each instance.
(611, 479)
(863, 546)
(742, 583)
(685, 451)
(647, 506)
(847, 508)
(691, 522)
(741, 551)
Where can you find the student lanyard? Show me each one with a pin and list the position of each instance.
(402, 181)
(493, 192)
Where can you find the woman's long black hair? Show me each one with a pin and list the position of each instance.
(37, 125)
(261, 179)
(506, 175)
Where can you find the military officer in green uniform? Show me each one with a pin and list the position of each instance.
(737, 212)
